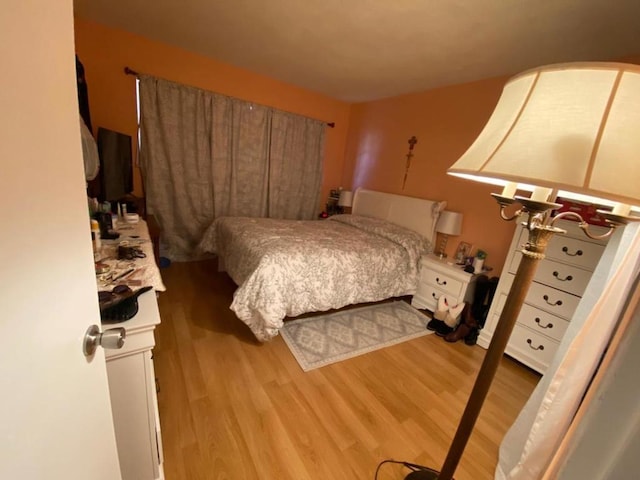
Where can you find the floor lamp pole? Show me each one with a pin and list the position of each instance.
(532, 253)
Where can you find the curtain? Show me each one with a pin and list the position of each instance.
(532, 440)
(239, 159)
(295, 144)
(205, 155)
(604, 440)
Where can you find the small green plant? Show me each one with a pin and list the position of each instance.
(481, 254)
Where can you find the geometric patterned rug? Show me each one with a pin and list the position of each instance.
(324, 339)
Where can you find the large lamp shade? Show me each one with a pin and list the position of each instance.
(573, 127)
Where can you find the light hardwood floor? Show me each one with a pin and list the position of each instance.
(232, 408)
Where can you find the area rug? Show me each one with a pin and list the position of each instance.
(324, 339)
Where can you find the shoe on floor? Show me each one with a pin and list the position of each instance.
(472, 337)
(452, 319)
(442, 309)
(443, 330)
(434, 324)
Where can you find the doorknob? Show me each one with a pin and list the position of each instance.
(111, 338)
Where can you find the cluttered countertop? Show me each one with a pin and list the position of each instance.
(136, 266)
(125, 267)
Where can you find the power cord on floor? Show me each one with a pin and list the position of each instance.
(411, 466)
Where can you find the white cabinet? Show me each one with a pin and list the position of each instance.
(558, 285)
(132, 387)
(439, 277)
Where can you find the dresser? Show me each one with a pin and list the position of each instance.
(558, 285)
(130, 371)
(132, 388)
(442, 277)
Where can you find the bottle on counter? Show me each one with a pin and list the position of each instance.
(95, 238)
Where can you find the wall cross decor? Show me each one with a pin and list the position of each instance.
(412, 143)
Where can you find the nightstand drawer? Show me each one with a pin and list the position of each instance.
(441, 281)
(427, 297)
(439, 277)
(542, 322)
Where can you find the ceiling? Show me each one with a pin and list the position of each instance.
(360, 50)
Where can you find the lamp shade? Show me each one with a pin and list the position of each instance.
(345, 199)
(449, 223)
(573, 127)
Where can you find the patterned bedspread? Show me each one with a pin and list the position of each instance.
(288, 267)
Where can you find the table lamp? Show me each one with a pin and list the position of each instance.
(571, 130)
(345, 199)
(449, 223)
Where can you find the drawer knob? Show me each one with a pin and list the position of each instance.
(577, 253)
(548, 325)
(539, 347)
(433, 294)
(556, 304)
(568, 278)
(444, 282)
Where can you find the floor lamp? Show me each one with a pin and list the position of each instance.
(571, 130)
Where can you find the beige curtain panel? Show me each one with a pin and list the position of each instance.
(204, 155)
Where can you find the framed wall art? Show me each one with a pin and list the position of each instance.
(463, 251)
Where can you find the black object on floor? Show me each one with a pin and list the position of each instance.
(434, 324)
(426, 474)
(443, 330)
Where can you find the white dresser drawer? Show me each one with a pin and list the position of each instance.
(567, 277)
(575, 252)
(531, 348)
(580, 253)
(442, 281)
(542, 322)
(563, 277)
(551, 300)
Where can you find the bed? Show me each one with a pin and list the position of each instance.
(284, 268)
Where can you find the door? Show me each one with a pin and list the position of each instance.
(55, 411)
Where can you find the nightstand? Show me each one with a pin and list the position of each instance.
(442, 277)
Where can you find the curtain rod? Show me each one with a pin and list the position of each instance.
(129, 71)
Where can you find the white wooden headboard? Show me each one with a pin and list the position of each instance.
(416, 214)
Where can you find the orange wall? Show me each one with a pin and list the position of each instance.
(446, 121)
(367, 148)
(105, 52)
